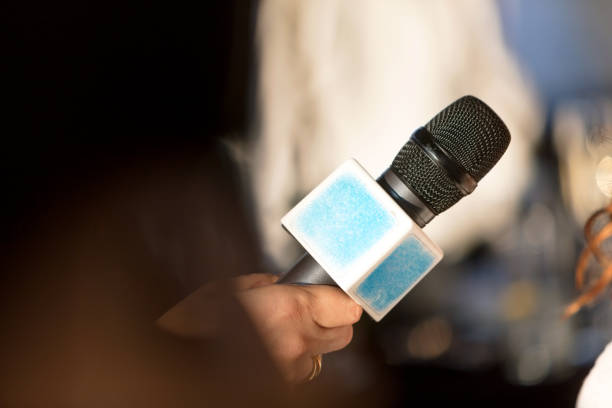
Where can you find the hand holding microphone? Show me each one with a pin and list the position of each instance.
(362, 235)
(296, 323)
(300, 323)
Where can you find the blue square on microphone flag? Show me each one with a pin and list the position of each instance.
(343, 221)
(399, 272)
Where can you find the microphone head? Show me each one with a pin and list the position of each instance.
(472, 135)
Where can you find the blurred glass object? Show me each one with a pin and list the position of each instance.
(583, 137)
(603, 176)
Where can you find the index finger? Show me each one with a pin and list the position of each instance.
(331, 307)
(253, 280)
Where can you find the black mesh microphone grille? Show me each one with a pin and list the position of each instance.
(473, 135)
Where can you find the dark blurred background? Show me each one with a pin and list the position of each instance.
(149, 121)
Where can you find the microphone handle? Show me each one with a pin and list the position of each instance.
(307, 272)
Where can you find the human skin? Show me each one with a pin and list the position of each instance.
(294, 322)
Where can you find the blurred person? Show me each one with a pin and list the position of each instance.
(120, 202)
(342, 79)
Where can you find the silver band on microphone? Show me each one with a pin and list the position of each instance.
(443, 159)
(405, 198)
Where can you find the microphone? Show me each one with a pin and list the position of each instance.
(365, 236)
